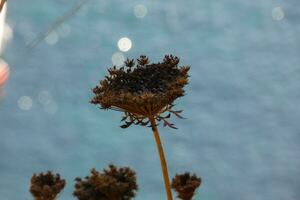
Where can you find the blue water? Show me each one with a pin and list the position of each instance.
(242, 131)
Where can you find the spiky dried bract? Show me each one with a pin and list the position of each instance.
(185, 185)
(111, 184)
(140, 89)
(46, 186)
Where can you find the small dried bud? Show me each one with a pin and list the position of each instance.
(172, 60)
(143, 60)
(129, 63)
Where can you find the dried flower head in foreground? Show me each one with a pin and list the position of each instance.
(46, 186)
(142, 90)
(185, 185)
(111, 184)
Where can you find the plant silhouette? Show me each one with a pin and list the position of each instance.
(111, 184)
(185, 185)
(46, 186)
(145, 93)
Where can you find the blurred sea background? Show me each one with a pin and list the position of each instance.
(242, 132)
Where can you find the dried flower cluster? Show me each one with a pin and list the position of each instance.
(142, 90)
(46, 186)
(111, 184)
(185, 185)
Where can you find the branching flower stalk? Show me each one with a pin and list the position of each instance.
(145, 94)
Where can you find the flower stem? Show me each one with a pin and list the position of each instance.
(162, 158)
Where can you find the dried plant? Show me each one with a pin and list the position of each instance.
(46, 186)
(185, 185)
(145, 94)
(143, 90)
(111, 184)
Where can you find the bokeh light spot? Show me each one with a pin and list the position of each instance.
(277, 13)
(118, 59)
(25, 103)
(124, 44)
(44, 97)
(52, 38)
(140, 11)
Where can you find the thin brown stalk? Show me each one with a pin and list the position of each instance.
(163, 162)
(57, 23)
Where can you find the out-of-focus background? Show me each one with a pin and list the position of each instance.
(242, 132)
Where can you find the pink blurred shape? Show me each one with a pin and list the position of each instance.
(4, 72)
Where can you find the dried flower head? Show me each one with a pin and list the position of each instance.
(111, 184)
(142, 90)
(185, 185)
(46, 186)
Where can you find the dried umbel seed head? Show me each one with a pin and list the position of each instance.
(142, 90)
(46, 186)
(185, 185)
(124, 180)
(111, 184)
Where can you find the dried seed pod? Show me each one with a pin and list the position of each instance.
(46, 186)
(111, 184)
(142, 90)
(185, 185)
